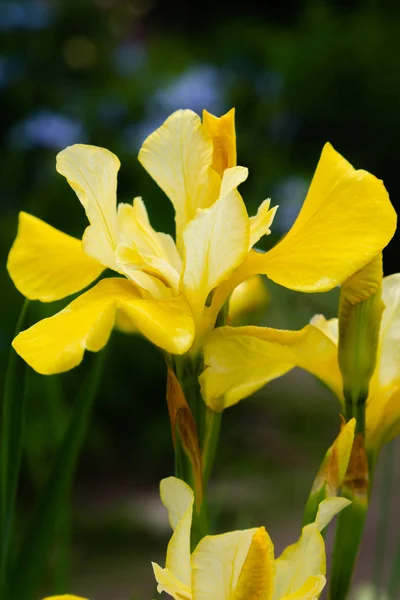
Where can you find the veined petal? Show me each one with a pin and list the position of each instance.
(240, 360)
(178, 499)
(46, 264)
(92, 173)
(310, 590)
(256, 579)
(260, 224)
(213, 250)
(306, 558)
(169, 584)
(345, 221)
(217, 563)
(178, 156)
(58, 343)
(223, 134)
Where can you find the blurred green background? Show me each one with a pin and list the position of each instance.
(108, 72)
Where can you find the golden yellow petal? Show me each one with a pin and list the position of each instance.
(240, 360)
(46, 264)
(345, 221)
(213, 250)
(256, 579)
(260, 224)
(223, 134)
(58, 343)
(217, 563)
(306, 558)
(178, 156)
(178, 499)
(92, 173)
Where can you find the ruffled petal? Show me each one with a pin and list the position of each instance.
(260, 224)
(345, 221)
(178, 156)
(217, 563)
(300, 561)
(92, 173)
(46, 264)
(58, 343)
(240, 360)
(178, 499)
(169, 584)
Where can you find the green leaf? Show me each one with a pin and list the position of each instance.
(12, 424)
(49, 510)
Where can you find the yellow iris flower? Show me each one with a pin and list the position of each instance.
(240, 565)
(64, 597)
(172, 292)
(241, 360)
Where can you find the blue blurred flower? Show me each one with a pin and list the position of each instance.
(47, 129)
(129, 57)
(34, 14)
(289, 193)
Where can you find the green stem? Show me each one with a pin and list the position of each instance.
(349, 530)
(384, 506)
(213, 426)
(12, 425)
(394, 579)
(357, 410)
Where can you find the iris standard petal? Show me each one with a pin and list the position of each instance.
(240, 360)
(223, 134)
(217, 562)
(345, 221)
(178, 499)
(92, 173)
(46, 264)
(213, 250)
(58, 343)
(178, 156)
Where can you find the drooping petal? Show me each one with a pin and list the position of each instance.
(223, 134)
(46, 264)
(92, 173)
(58, 343)
(256, 579)
(240, 360)
(178, 156)
(178, 499)
(217, 563)
(306, 558)
(345, 221)
(213, 249)
(260, 224)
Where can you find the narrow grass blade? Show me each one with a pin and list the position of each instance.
(30, 566)
(12, 423)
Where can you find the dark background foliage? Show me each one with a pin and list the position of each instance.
(108, 72)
